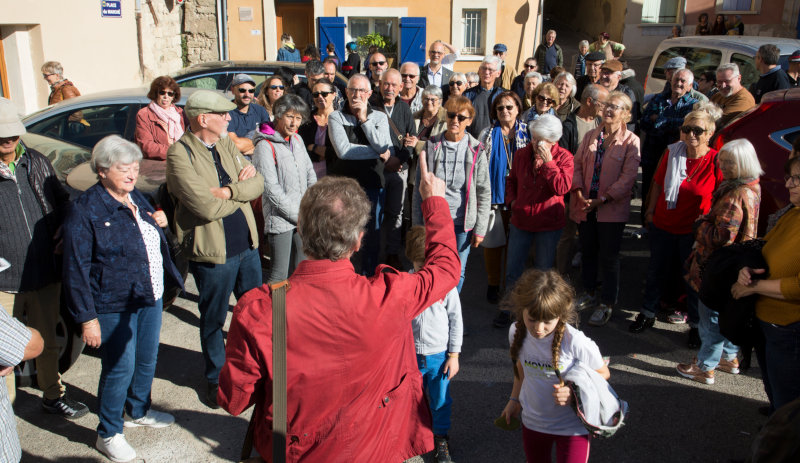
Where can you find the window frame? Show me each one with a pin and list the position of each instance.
(755, 8)
(679, 7)
(489, 7)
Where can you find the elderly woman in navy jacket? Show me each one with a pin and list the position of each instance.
(115, 261)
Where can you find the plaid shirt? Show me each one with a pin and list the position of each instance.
(14, 336)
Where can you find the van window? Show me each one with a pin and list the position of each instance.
(698, 60)
(747, 68)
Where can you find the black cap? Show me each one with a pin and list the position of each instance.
(596, 56)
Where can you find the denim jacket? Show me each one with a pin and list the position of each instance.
(105, 260)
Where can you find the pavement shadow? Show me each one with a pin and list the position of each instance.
(183, 314)
(191, 361)
(28, 408)
(226, 430)
(28, 458)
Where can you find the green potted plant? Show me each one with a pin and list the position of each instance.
(385, 45)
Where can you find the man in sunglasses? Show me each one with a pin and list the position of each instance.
(377, 66)
(518, 84)
(482, 95)
(248, 114)
(435, 72)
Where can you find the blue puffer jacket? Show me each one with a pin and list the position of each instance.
(105, 261)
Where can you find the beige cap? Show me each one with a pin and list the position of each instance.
(207, 101)
(10, 124)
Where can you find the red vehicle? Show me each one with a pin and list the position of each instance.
(771, 127)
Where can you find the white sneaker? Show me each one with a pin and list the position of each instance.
(600, 316)
(116, 448)
(153, 419)
(584, 301)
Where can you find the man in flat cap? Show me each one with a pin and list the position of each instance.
(594, 61)
(213, 184)
(247, 115)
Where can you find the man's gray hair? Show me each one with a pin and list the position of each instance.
(53, 67)
(568, 77)
(458, 76)
(546, 127)
(290, 102)
(729, 67)
(534, 74)
(493, 60)
(592, 91)
(333, 212)
(114, 149)
(472, 76)
(314, 68)
(433, 90)
(356, 77)
(583, 43)
(410, 64)
(687, 72)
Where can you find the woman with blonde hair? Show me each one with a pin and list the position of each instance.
(288, 51)
(545, 101)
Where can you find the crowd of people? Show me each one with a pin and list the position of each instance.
(538, 168)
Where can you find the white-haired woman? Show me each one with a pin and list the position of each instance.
(541, 174)
(431, 120)
(116, 259)
(532, 80)
(606, 165)
(458, 83)
(566, 86)
(580, 62)
(281, 157)
(733, 218)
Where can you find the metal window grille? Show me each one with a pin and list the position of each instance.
(473, 21)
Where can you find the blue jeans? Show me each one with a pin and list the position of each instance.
(519, 245)
(780, 362)
(600, 245)
(215, 283)
(713, 344)
(371, 244)
(435, 381)
(463, 244)
(128, 354)
(664, 246)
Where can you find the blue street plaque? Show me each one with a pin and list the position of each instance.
(111, 8)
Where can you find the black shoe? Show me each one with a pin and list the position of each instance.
(502, 320)
(493, 294)
(211, 395)
(694, 338)
(65, 407)
(442, 451)
(641, 323)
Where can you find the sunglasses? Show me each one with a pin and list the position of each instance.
(247, 90)
(506, 107)
(323, 94)
(276, 87)
(546, 100)
(456, 83)
(530, 66)
(697, 131)
(460, 117)
(166, 92)
(377, 63)
(47, 75)
(408, 76)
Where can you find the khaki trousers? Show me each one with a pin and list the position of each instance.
(7, 301)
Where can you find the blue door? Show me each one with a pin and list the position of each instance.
(412, 40)
(331, 30)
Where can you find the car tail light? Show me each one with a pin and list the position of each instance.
(728, 132)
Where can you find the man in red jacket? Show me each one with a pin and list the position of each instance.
(354, 390)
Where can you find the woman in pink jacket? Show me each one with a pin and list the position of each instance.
(605, 171)
(161, 123)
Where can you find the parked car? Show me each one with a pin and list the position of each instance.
(219, 74)
(706, 53)
(772, 127)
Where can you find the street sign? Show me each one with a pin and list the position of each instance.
(111, 8)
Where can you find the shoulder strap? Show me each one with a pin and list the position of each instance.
(279, 408)
(188, 151)
(274, 157)
(391, 124)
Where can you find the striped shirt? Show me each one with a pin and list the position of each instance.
(14, 336)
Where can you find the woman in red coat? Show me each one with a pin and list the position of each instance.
(161, 123)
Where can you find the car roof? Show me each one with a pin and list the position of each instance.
(221, 65)
(749, 44)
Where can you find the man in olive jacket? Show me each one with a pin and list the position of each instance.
(213, 184)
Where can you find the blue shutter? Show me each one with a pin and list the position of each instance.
(331, 30)
(412, 40)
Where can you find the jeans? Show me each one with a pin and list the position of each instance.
(600, 245)
(128, 354)
(780, 362)
(371, 243)
(435, 381)
(713, 344)
(569, 449)
(519, 244)
(285, 253)
(664, 246)
(215, 283)
(393, 210)
(463, 244)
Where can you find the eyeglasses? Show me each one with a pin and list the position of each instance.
(377, 63)
(166, 92)
(506, 107)
(47, 75)
(612, 107)
(530, 66)
(247, 90)
(323, 94)
(276, 87)
(697, 131)
(456, 83)
(430, 100)
(460, 117)
(408, 76)
(435, 52)
(791, 180)
(357, 90)
(546, 100)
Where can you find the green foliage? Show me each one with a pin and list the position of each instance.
(384, 43)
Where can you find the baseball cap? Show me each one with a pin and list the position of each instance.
(239, 79)
(677, 62)
(500, 48)
(795, 56)
(10, 125)
(207, 101)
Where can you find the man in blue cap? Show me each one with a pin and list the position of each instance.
(507, 73)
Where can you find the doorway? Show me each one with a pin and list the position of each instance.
(297, 20)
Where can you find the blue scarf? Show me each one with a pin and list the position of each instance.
(499, 158)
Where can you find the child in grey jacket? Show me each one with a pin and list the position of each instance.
(438, 332)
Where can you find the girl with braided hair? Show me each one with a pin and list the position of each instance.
(542, 338)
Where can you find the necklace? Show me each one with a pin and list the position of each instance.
(696, 168)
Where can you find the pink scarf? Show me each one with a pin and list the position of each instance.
(171, 118)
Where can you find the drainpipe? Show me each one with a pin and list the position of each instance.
(222, 28)
(138, 15)
(537, 39)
